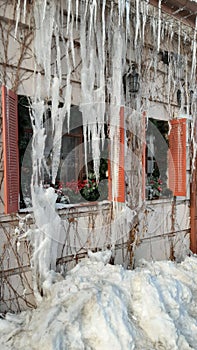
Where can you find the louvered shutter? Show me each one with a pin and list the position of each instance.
(120, 166)
(177, 157)
(10, 149)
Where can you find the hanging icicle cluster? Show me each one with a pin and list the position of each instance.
(112, 35)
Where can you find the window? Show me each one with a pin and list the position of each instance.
(165, 164)
(24, 144)
(74, 184)
(156, 159)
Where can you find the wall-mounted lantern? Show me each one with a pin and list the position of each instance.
(178, 96)
(131, 81)
(165, 57)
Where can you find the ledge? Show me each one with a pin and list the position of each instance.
(178, 200)
(83, 209)
(64, 210)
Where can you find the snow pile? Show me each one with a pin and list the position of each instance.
(104, 307)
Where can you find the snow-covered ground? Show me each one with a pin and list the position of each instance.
(104, 307)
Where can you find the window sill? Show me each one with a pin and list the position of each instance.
(159, 200)
(84, 209)
(81, 208)
(167, 200)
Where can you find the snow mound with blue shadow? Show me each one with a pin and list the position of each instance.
(99, 306)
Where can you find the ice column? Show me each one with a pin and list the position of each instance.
(92, 36)
(47, 236)
(44, 21)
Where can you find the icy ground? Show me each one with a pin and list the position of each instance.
(103, 307)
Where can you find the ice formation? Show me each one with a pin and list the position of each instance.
(106, 31)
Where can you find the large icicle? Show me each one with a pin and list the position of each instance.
(115, 108)
(57, 123)
(46, 236)
(24, 10)
(194, 52)
(137, 25)
(159, 26)
(93, 83)
(17, 16)
(44, 20)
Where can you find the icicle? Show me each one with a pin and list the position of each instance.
(67, 102)
(86, 98)
(103, 26)
(58, 58)
(137, 26)
(68, 15)
(179, 41)
(86, 8)
(46, 237)
(153, 21)
(56, 129)
(171, 31)
(38, 141)
(169, 82)
(95, 13)
(44, 10)
(144, 12)
(127, 17)
(71, 39)
(43, 38)
(24, 10)
(37, 85)
(95, 150)
(115, 108)
(194, 47)
(159, 26)
(17, 16)
(93, 10)
(119, 12)
(99, 95)
(85, 132)
(62, 15)
(77, 13)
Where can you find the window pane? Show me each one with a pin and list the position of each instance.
(73, 185)
(157, 159)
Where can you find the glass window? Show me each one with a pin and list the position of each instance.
(156, 165)
(74, 183)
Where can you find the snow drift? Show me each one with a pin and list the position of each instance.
(99, 306)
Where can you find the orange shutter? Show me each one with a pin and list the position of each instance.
(10, 149)
(177, 157)
(121, 171)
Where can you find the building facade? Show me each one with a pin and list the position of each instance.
(98, 137)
